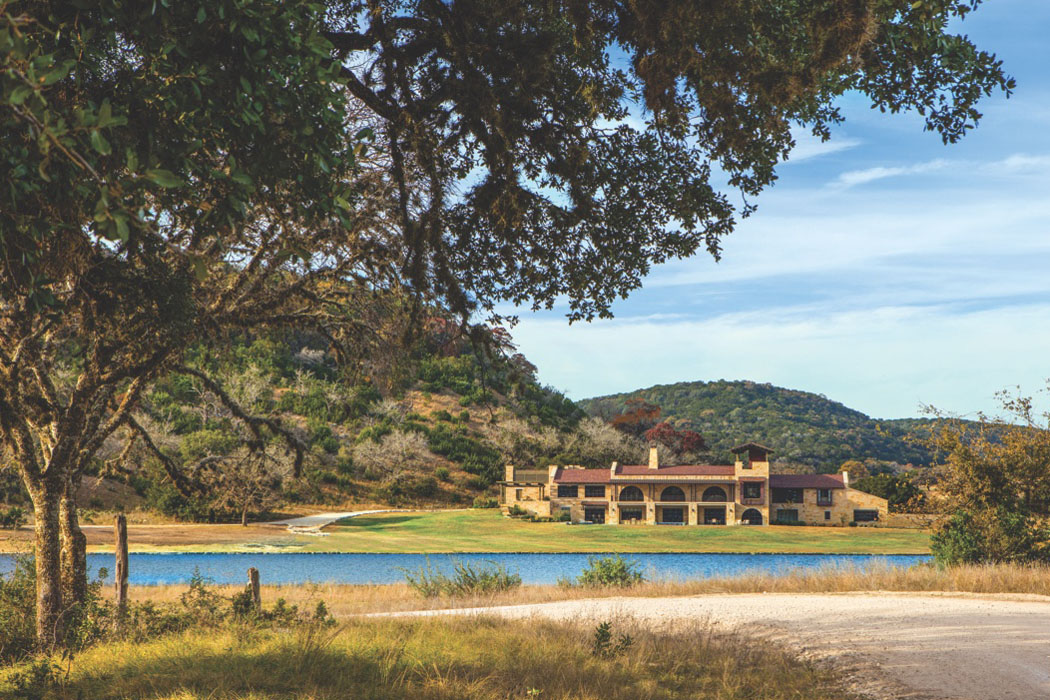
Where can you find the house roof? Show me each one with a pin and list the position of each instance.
(677, 470)
(581, 476)
(806, 481)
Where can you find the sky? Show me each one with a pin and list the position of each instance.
(884, 269)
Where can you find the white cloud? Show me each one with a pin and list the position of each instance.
(853, 178)
(808, 146)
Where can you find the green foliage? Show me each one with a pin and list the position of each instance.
(485, 502)
(603, 646)
(614, 570)
(802, 427)
(17, 611)
(990, 536)
(204, 443)
(443, 474)
(467, 579)
(12, 518)
(899, 490)
(475, 457)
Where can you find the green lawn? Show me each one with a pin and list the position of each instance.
(488, 531)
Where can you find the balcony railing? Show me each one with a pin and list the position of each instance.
(752, 501)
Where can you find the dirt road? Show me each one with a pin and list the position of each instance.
(893, 645)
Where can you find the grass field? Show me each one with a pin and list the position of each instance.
(488, 531)
(470, 659)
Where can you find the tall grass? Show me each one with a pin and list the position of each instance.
(448, 659)
(466, 580)
(345, 600)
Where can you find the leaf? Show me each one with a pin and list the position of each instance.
(19, 94)
(242, 178)
(99, 143)
(56, 74)
(122, 227)
(164, 178)
(105, 114)
(201, 15)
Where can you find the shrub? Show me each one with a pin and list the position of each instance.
(467, 579)
(12, 518)
(989, 536)
(442, 473)
(463, 416)
(613, 570)
(17, 611)
(516, 511)
(442, 415)
(476, 482)
(603, 646)
(563, 516)
(485, 502)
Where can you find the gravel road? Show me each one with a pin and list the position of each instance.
(891, 645)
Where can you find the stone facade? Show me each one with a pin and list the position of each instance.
(744, 493)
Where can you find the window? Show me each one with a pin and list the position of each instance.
(568, 491)
(787, 495)
(751, 490)
(629, 514)
(827, 515)
(787, 515)
(631, 493)
(714, 493)
(517, 494)
(672, 493)
(865, 516)
(594, 491)
(824, 497)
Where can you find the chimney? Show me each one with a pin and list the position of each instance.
(654, 458)
(845, 479)
(509, 473)
(612, 469)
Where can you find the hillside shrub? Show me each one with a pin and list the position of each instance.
(202, 443)
(443, 474)
(485, 502)
(612, 570)
(12, 518)
(442, 415)
(466, 579)
(475, 482)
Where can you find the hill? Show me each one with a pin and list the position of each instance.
(802, 427)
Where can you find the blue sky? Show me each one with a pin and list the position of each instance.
(884, 270)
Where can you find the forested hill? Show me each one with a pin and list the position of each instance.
(802, 427)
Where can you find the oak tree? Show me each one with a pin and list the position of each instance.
(172, 172)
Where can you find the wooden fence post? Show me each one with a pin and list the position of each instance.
(120, 579)
(253, 586)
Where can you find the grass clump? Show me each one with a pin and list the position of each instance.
(466, 580)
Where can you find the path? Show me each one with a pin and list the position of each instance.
(892, 645)
(319, 521)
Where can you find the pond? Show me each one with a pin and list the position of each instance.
(290, 568)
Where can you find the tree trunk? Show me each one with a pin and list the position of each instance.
(244, 516)
(120, 578)
(74, 549)
(46, 506)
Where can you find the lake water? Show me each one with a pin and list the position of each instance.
(153, 569)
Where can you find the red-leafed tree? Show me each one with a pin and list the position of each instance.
(680, 441)
(638, 417)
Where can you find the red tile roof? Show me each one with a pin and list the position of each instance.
(678, 470)
(581, 476)
(806, 481)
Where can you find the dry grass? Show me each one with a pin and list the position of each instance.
(345, 600)
(464, 659)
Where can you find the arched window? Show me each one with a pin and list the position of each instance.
(751, 516)
(672, 493)
(631, 493)
(715, 494)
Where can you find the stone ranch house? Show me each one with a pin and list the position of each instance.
(690, 494)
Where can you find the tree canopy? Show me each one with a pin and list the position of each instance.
(173, 172)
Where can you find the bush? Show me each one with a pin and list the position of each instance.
(614, 570)
(475, 482)
(443, 473)
(17, 611)
(442, 415)
(603, 646)
(12, 518)
(989, 536)
(467, 579)
(485, 502)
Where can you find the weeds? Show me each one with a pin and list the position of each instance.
(467, 579)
